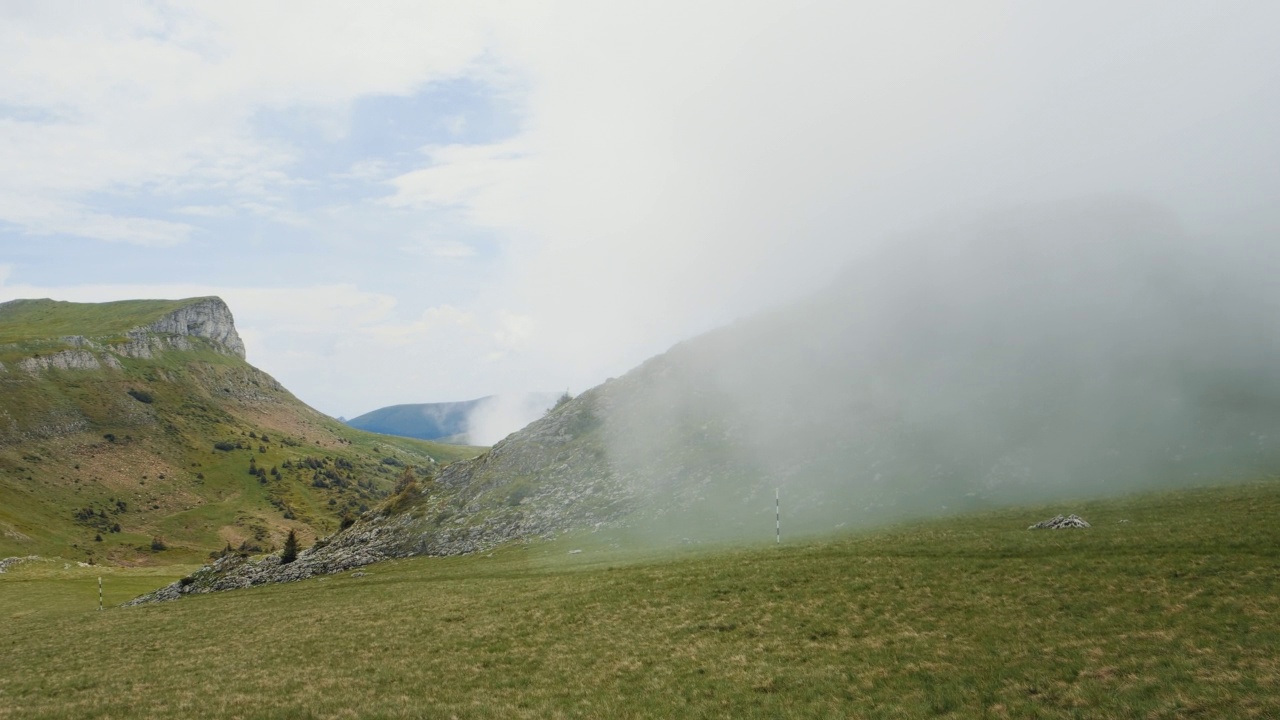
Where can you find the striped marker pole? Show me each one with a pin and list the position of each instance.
(777, 511)
(99, 593)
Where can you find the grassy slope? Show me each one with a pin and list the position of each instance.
(23, 321)
(161, 463)
(1166, 608)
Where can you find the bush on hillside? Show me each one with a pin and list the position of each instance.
(142, 396)
(560, 402)
(290, 551)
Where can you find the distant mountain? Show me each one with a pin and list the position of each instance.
(456, 422)
(427, 421)
(135, 431)
(1058, 353)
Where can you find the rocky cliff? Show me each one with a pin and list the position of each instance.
(166, 325)
(207, 318)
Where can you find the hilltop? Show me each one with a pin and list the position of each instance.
(135, 432)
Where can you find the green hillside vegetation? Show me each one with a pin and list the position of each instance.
(26, 321)
(1165, 608)
(168, 458)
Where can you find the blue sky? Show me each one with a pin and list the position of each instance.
(431, 201)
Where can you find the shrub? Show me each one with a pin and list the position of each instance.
(142, 396)
(290, 551)
(518, 494)
(582, 423)
(158, 544)
(109, 437)
(224, 446)
(408, 480)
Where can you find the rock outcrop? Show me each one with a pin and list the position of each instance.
(65, 360)
(9, 562)
(209, 318)
(1061, 523)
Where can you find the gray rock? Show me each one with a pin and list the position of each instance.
(9, 562)
(209, 318)
(65, 360)
(1060, 523)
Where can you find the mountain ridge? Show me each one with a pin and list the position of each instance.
(1076, 351)
(135, 432)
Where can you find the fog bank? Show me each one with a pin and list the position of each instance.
(1052, 351)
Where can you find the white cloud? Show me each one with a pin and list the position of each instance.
(208, 211)
(164, 95)
(478, 179)
(448, 249)
(39, 216)
(677, 164)
(501, 415)
(367, 170)
(431, 320)
(682, 164)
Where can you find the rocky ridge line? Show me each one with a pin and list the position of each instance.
(208, 318)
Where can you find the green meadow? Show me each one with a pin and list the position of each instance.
(1167, 608)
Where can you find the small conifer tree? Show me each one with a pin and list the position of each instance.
(290, 552)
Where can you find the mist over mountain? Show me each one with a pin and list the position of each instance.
(1053, 351)
(1046, 353)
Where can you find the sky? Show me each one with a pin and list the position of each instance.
(437, 201)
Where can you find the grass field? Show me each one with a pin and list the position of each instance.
(1166, 608)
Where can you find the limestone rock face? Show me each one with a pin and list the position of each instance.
(1059, 523)
(209, 318)
(65, 360)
